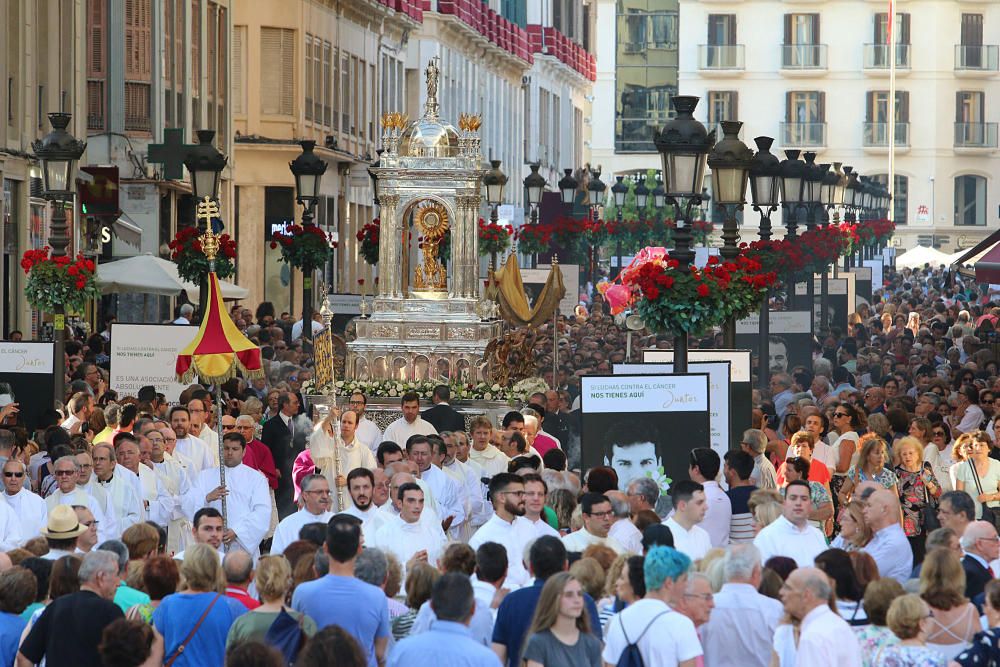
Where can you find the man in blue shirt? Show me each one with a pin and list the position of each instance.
(547, 557)
(448, 642)
(341, 599)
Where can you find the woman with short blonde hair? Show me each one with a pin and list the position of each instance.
(273, 579)
(909, 619)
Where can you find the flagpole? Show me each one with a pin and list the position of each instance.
(892, 105)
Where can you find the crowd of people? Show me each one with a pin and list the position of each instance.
(855, 525)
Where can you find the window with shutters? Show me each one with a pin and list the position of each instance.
(277, 77)
(96, 62)
(876, 130)
(722, 105)
(211, 64)
(318, 83)
(239, 69)
(353, 100)
(802, 48)
(877, 53)
(805, 119)
(138, 64)
(372, 100)
(221, 92)
(556, 134)
(173, 63)
(309, 77)
(196, 69)
(328, 84)
(970, 200)
(345, 94)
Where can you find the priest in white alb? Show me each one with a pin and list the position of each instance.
(193, 448)
(67, 470)
(334, 451)
(448, 494)
(361, 486)
(118, 486)
(411, 423)
(172, 475)
(315, 509)
(29, 508)
(405, 536)
(248, 502)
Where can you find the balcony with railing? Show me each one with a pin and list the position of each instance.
(876, 57)
(806, 58)
(976, 136)
(977, 59)
(721, 57)
(876, 135)
(803, 135)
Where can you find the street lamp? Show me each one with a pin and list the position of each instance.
(205, 164)
(730, 162)
(765, 189)
(659, 196)
(494, 182)
(567, 187)
(792, 192)
(619, 190)
(534, 185)
(683, 144)
(595, 192)
(59, 151)
(308, 169)
(641, 197)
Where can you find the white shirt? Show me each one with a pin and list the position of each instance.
(514, 537)
(479, 511)
(740, 629)
(211, 440)
(484, 592)
(196, 451)
(372, 519)
(764, 476)
(718, 516)
(783, 538)
(941, 463)
(400, 430)
(405, 539)
(297, 329)
(491, 460)
(122, 498)
(627, 535)
(669, 640)
(30, 510)
(543, 528)
(970, 422)
(248, 504)
(289, 527)
(448, 494)
(368, 434)
(579, 540)
(695, 542)
(826, 640)
(11, 534)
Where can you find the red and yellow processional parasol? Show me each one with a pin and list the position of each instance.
(219, 349)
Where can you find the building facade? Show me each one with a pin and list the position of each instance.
(815, 76)
(41, 59)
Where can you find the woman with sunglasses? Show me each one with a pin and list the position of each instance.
(848, 421)
(939, 454)
(979, 476)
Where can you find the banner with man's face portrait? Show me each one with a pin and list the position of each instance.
(644, 425)
(789, 342)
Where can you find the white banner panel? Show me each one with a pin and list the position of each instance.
(146, 354)
(739, 359)
(718, 380)
(682, 393)
(26, 358)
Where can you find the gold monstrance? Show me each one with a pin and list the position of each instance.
(432, 220)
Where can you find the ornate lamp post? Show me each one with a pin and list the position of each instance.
(619, 190)
(812, 183)
(567, 188)
(205, 164)
(59, 151)
(765, 189)
(792, 185)
(730, 162)
(683, 144)
(830, 190)
(595, 200)
(308, 169)
(534, 186)
(641, 197)
(494, 181)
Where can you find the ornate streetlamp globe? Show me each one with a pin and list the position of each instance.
(205, 164)
(534, 184)
(494, 181)
(813, 180)
(308, 168)
(641, 194)
(793, 172)
(374, 176)
(596, 188)
(567, 187)
(765, 175)
(59, 152)
(619, 190)
(828, 189)
(659, 195)
(730, 161)
(684, 144)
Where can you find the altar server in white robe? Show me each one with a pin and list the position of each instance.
(361, 485)
(119, 487)
(468, 476)
(172, 475)
(335, 451)
(316, 509)
(193, 448)
(67, 470)
(448, 494)
(406, 536)
(29, 508)
(248, 502)
(390, 509)
(368, 433)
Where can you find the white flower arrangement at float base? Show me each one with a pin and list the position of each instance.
(460, 391)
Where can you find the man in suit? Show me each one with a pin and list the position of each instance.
(442, 416)
(277, 434)
(981, 545)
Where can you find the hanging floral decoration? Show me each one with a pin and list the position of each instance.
(192, 265)
(54, 281)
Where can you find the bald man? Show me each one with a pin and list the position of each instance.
(888, 546)
(826, 639)
(981, 546)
